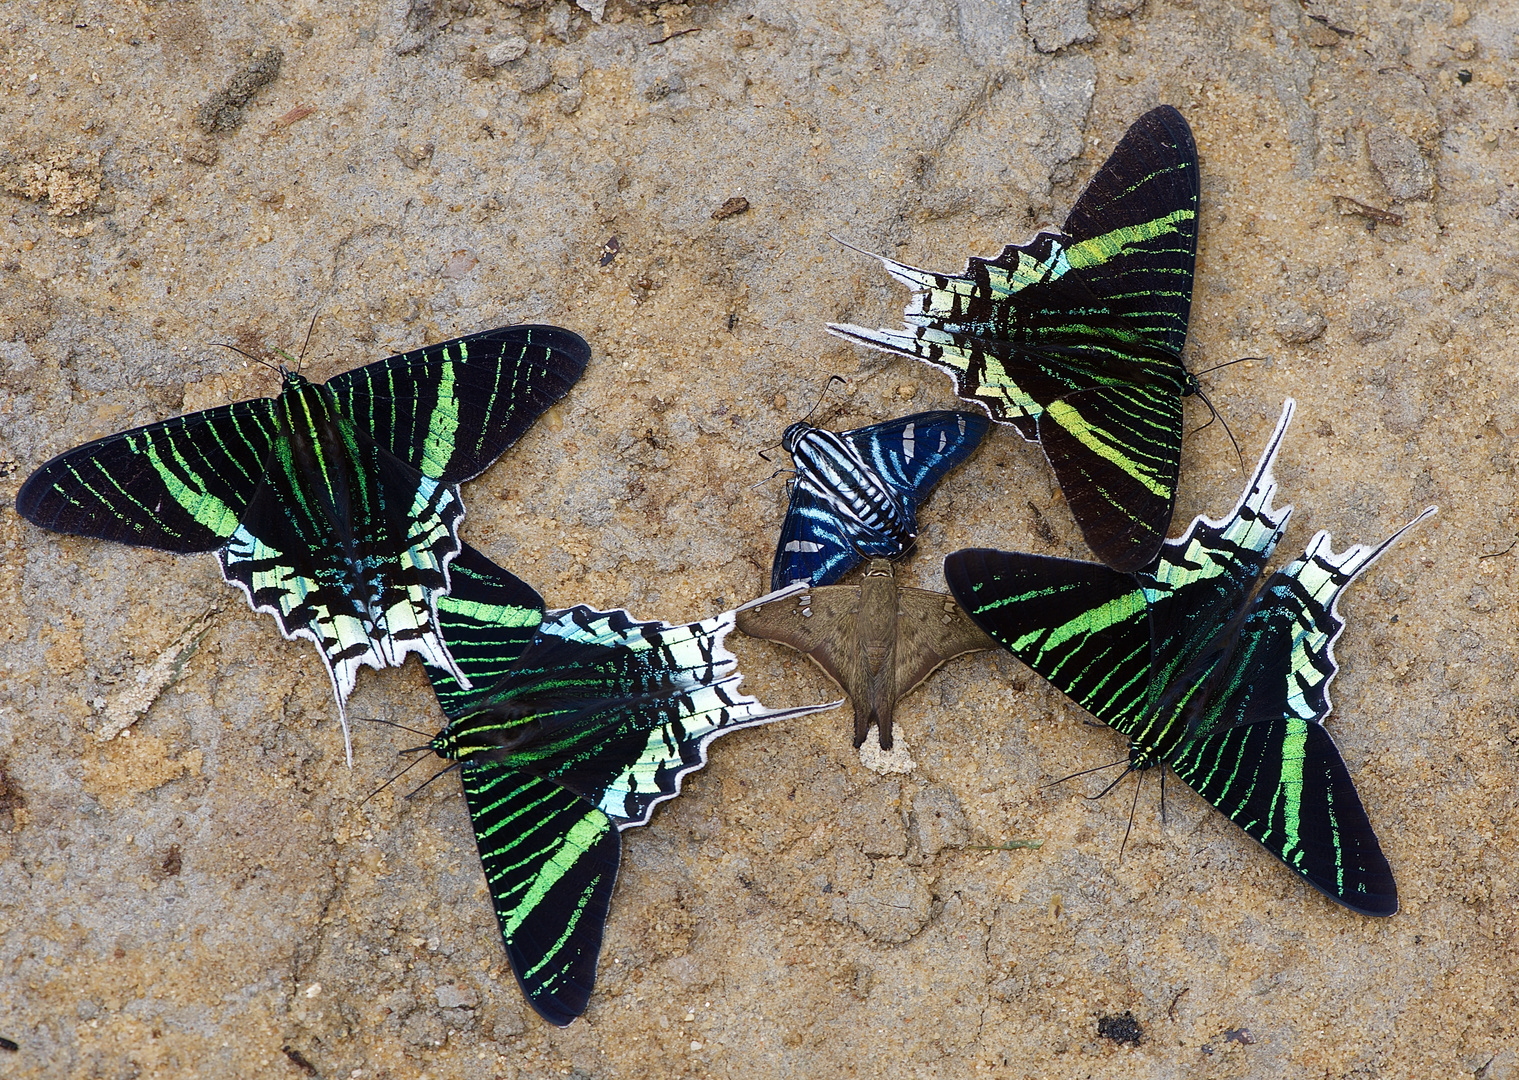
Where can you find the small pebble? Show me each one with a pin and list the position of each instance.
(505, 51)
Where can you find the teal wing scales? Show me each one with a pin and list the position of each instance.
(1260, 754)
(550, 861)
(1075, 338)
(1290, 632)
(450, 409)
(365, 597)
(180, 485)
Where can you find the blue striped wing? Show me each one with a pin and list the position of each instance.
(812, 547)
(909, 455)
(912, 453)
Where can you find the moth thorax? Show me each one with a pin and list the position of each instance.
(490, 734)
(793, 435)
(1143, 757)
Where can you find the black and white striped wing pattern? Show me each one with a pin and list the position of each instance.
(623, 709)
(1260, 752)
(334, 507)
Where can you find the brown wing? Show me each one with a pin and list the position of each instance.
(931, 629)
(821, 623)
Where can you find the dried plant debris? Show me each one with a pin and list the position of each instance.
(10, 795)
(126, 708)
(1347, 205)
(224, 110)
(172, 863)
(299, 1060)
(64, 178)
(736, 205)
(300, 112)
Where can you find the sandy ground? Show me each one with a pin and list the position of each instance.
(207, 896)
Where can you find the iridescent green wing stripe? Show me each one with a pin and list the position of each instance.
(487, 619)
(1014, 356)
(180, 485)
(550, 862)
(1116, 451)
(1290, 632)
(1132, 235)
(624, 709)
(1131, 239)
(450, 409)
(1075, 339)
(1127, 253)
(1083, 627)
(1285, 784)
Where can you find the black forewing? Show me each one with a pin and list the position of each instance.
(1151, 175)
(1284, 783)
(450, 409)
(1082, 626)
(487, 619)
(179, 485)
(550, 861)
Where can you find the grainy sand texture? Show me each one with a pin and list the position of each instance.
(208, 894)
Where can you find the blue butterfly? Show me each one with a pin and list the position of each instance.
(856, 493)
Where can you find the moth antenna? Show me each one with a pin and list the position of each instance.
(1139, 782)
(1505, 551)
(815, 407)
(1220, 418)
(248, 355)
(772, 476)
(1114, 784)
(392, 780)
(1216, 415)
(1229, 363)
(392, 723)
(822, 396)
(1085, 772)
(309, 329)
(441, 772)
